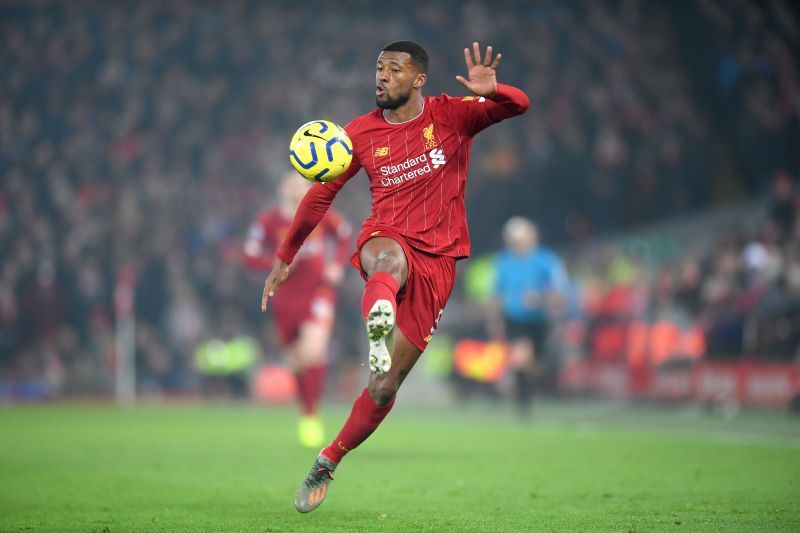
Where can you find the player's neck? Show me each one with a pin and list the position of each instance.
(408, 111)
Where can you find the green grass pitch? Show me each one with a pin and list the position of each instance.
(235, 468)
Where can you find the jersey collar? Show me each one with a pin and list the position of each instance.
(421, 111)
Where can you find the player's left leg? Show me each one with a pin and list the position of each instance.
(309, 358)
(368, 412)
(376, 400)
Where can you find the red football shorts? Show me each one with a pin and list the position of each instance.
(421, 301)
(297, 306)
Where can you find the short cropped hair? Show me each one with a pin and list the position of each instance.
(419, 57)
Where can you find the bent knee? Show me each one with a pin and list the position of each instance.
(392, 264)
(383, 254)
(383, 389)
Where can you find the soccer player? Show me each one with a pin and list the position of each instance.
(305, 306)
(415, 151)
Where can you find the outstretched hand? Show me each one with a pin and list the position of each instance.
(481, 73)
(278, 275)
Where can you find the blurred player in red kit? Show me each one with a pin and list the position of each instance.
(304, 309)
(415, 151)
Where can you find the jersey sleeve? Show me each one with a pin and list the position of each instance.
(476, 113)
(311, 211)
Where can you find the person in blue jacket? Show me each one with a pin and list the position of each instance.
(528, 293)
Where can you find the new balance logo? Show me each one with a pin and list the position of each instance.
(437, 157)
(383, 151)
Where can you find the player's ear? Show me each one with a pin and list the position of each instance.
(420, 80)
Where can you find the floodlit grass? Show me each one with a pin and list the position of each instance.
(235, 468)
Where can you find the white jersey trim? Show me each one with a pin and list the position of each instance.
(405, 121)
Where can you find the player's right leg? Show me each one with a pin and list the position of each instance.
(368, 412)
(380, 332)
(385, 263)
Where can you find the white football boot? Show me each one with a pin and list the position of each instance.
(380, 330)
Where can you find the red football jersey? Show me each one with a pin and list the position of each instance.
(271, 227)
(417, 171)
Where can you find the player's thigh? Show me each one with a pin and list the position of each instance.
(382, 387)
(382, 254)
(312, 342)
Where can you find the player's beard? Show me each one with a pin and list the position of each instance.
(393, 103)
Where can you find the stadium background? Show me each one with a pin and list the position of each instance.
(139, 139)
(661, 159)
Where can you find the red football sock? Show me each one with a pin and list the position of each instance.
(365, 417)
(381, 286)
(313, 384)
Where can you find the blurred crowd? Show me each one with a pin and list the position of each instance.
(138, 139)
(751, 94)
(733, 297)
